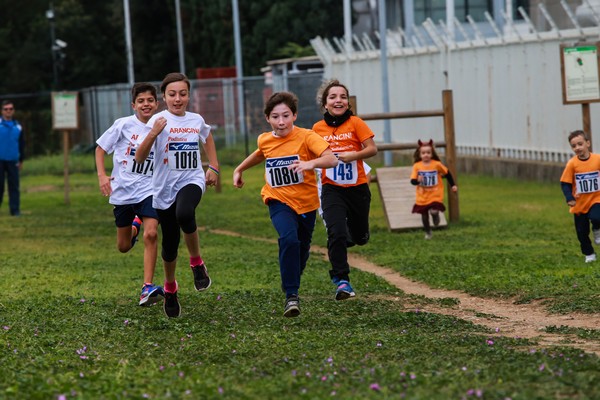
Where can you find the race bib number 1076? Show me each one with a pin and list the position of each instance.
(587, 182)
(279, 174)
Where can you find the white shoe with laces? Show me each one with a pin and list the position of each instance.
(590, 258)
(596, 233)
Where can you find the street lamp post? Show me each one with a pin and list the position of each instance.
(50, 17)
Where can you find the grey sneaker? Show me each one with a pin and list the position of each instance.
(590, 258)
(596, 233)
(292, 307)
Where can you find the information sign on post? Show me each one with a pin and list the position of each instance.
(65, 113)
(581, 78)
(65, 117)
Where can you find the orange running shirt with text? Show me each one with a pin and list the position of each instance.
(347, 137)
(584, 176)
(431, 188)
(297, 190)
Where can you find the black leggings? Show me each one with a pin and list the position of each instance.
(181, 215)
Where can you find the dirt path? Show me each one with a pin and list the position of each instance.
(503, 316)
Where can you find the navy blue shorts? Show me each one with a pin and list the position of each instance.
(124, 214)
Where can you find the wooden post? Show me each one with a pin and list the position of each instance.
(587, 121)
(449, 138)
(66, 165)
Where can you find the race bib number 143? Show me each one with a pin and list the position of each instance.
(279, 174)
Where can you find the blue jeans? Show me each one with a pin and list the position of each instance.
(582, 227)
(11, 170)
(295, 234)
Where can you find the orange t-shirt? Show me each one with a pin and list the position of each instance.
(347, 137)
(584, 176)
(299, 191)
(431, 188)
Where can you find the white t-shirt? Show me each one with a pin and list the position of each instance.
(131, 181)
(177, 153)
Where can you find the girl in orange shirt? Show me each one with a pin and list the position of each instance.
(427, 174)
(291, 154)
(345, 195)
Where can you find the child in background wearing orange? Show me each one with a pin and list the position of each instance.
(580, 183)
(427, 174)
(291, 154)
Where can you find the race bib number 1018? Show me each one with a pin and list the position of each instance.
(184, 155)
(279, 174)
(587, 182)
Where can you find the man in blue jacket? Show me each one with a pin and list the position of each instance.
(12, 143)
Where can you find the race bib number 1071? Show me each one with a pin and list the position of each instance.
(184, 155)
(428, 178)
(587, 182)
(279, 174)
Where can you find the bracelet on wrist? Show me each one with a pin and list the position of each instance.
(213, 169)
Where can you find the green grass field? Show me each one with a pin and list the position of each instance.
(70, 326)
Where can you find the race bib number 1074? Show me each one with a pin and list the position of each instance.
(145, 168)
(587, 182)
(278, 172)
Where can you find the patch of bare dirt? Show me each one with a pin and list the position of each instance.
(503, 316)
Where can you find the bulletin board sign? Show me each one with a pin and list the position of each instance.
(580, 73)
(65, 111)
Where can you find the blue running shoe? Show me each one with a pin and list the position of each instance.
(137, 224)
(151, 294)
(344, 289)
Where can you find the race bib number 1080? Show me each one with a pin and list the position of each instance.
(587, 182)
(279, 174)
(184, 155)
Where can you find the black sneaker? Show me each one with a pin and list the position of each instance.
(292, 306)
(171, 305)
(436, 219)
(201, 279)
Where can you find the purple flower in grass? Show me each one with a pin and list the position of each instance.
(375, 387)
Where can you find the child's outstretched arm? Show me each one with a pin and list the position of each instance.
(450, 179)
(326, 160)
(253, 159)
(567, 190)
(212, 173)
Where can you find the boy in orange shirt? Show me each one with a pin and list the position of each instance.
(291, 154)
(580, 183)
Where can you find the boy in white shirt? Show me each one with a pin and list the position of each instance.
(130, 184)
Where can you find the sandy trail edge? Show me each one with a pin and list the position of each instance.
(503, 316)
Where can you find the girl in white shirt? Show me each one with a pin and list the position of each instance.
(175, 136)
